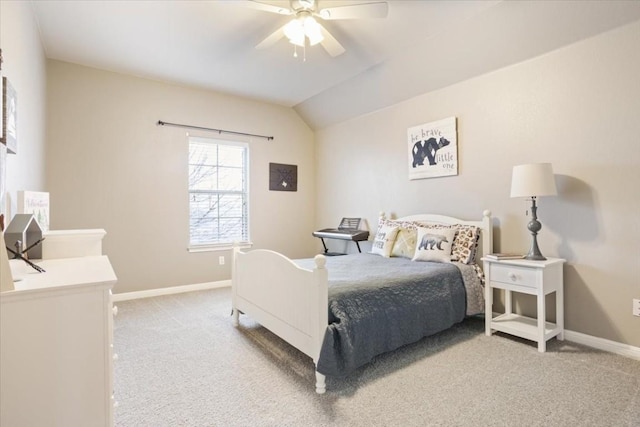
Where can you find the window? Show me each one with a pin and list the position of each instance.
(218, 192)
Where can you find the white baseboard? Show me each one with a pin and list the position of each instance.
(603, 344)
(172, 290)
(599, 343)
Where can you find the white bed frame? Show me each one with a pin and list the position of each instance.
(292, 302)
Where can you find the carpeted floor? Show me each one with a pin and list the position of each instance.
(182, 363)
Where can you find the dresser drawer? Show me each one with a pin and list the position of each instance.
(513, 274)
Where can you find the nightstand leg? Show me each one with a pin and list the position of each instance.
(560, 312)
(542, 317)
(488, 307)
(507, 301)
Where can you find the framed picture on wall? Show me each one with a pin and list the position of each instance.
(9, 117)
(433, 149)
(1, 102)
(36, 203)
(283, 177)
(1, 110)
(3, 178)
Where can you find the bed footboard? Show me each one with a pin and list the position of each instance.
(290, 301)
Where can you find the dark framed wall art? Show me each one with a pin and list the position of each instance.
(283, 177)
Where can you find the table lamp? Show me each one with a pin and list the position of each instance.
(532, 181)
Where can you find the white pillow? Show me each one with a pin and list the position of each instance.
(434, 244)
(385, 237)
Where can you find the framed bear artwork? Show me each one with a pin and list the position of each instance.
(433, 149)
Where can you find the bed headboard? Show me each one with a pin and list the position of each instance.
(485, 245)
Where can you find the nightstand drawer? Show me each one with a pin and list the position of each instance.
(513, 274)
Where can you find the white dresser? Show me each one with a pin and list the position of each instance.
(72, 243)
(56, 332)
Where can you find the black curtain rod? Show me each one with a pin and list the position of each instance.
(161, 123)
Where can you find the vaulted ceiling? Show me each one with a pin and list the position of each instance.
(420, 46)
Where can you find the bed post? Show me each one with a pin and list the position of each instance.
(487, 237)
(234, 286)
(322, 318)
(321, 385)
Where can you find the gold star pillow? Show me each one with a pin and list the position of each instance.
(405, 245)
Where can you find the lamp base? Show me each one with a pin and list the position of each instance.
(534, 257)
(534, 227)
(534, 253)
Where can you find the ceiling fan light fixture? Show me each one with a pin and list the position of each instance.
(302, 27)
(294, 31)
(312, 31)
(298, 41)
(303, 4)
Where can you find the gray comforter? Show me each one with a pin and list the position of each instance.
(379, 304)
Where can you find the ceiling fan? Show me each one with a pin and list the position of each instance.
(304, 29)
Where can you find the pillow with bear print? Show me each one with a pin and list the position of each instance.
(465, 241)
(383, 243)
(434, 244)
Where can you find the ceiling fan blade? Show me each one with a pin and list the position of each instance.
(330, 44)
(356, 11)
(268, 7)
(271, 39)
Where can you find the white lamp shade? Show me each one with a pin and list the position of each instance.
(533, 180)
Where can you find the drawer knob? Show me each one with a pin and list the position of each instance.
(115, 356)
(513, 276)
(115, 310)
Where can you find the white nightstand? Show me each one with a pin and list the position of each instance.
(537, 278)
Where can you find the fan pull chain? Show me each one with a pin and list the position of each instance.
(304, 52)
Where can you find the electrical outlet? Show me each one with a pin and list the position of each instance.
(221, 259)
(636, 307)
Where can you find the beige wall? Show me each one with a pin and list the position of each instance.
(25, 67)
(110, 166)
(576, 108)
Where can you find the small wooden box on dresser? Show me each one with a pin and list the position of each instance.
(537, 278)
(56, 341)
